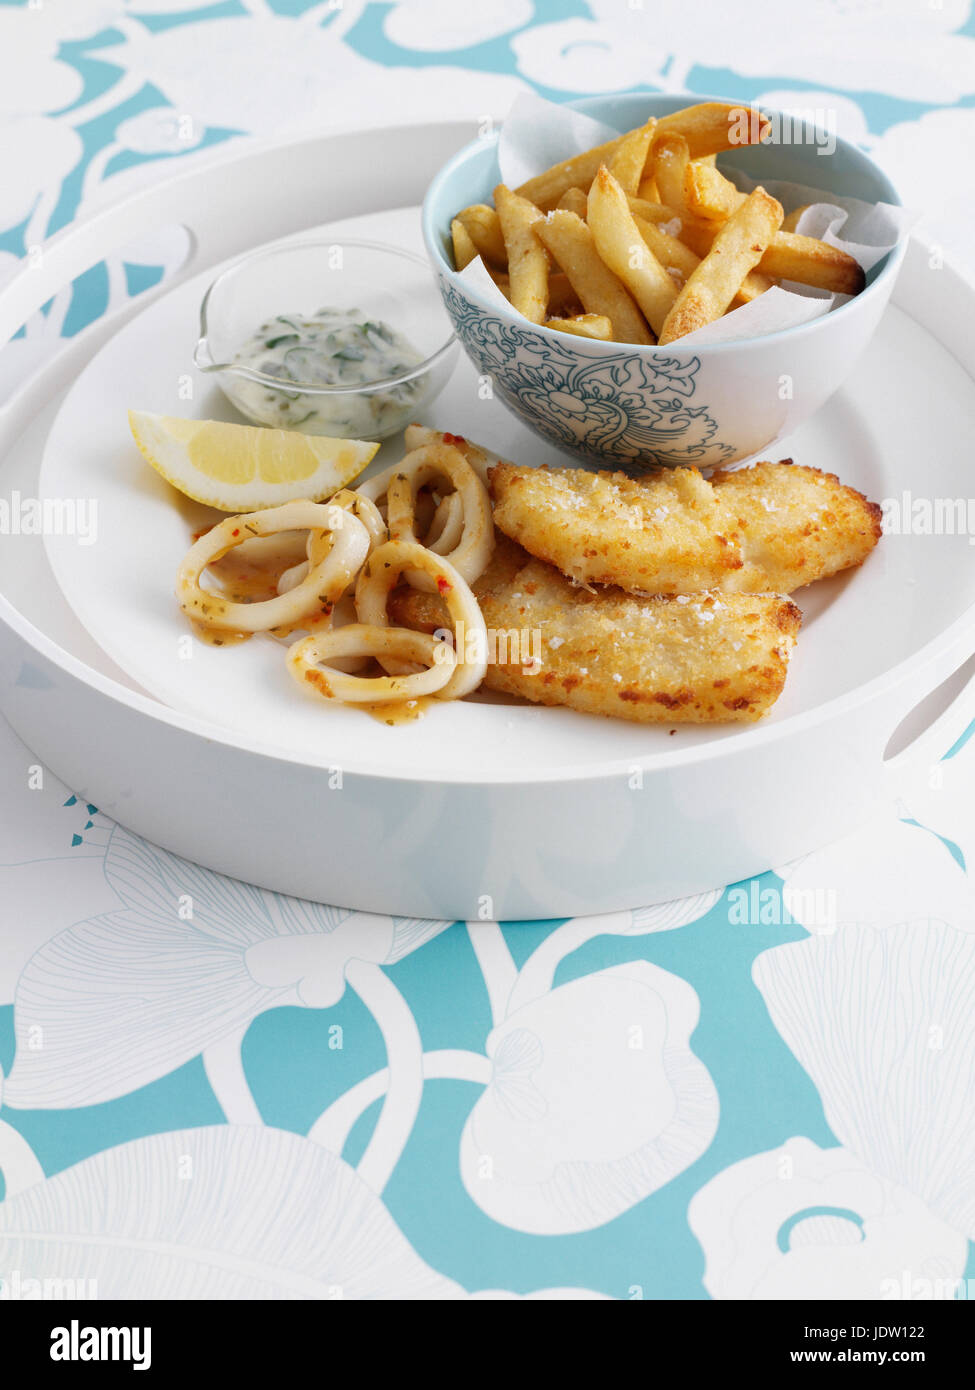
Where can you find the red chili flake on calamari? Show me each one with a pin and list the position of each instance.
(236, 533)
(444, 585)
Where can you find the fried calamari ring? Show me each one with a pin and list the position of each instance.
(308, 663)
(292, 577)
(417, 435)
(325, 581)
(364, 510)
(471, 554)
(402, 559)
(319, 542)
(447, 526)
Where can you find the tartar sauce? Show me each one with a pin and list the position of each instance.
(332, 347)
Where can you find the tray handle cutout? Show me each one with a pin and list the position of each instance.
(931, 727)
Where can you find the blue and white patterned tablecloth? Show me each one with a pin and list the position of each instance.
(208, 1090)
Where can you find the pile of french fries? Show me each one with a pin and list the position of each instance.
(643, 239)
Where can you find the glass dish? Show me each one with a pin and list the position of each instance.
(381, 283)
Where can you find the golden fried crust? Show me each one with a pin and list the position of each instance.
(661, 534)
(797, 524)
(509, 557)
(692, 659)
(771, 527)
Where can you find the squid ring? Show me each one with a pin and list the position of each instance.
(362, 508)
(471, 554)
(307, 662)
(322, 585)
(398, 559)
(417, 435)
(447, 525)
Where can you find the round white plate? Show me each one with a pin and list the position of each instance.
(876, 434)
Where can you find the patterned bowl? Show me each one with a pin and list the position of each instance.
(634, 407)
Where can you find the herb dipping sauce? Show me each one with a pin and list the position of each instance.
(332, 347)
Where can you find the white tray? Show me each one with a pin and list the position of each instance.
(596, 821)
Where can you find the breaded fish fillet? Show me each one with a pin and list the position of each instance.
(769, 527)
(689, 659)
(701, 659)
(796, 524)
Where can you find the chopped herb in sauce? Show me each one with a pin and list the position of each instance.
(333, 347)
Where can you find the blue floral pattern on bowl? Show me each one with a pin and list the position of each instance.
(620, 409)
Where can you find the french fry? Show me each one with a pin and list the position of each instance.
(695, 239)
(573, 200)
(545, 189)
(630, 156)
(500, 278)
(652, 211)
(754, 284)
(484, 230)
(676, 258)
(812, 262)
(570, 242)
(681, 262)
(708, 194)
(648, 189)
(624, 250)
(737, 249)
(682, 253)
(670, 161)
(708, 128)
(699, 236)
(563, 302)
(584, 326)
(645, 233)
(528, 261)
(789, 257)
(714, 126)
(791, 220)
(696, 232)
(464, 249)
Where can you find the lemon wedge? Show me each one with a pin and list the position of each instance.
(242, 468)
